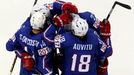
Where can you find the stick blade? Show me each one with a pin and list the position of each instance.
(123, 5)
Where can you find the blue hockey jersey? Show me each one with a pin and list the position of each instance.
(92, 21)
(25, 41)
(80, 56)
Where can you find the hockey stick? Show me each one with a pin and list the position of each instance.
(120, 4)
(13, 64)
(35, 2)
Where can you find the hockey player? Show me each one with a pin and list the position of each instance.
(82, 49)
(33, 51)
(28, 42)
(54, 9)
(102, 29)
(93, 22)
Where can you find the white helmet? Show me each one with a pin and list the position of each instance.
(42, 8)
(68, 27)
(37, 20)
(79, 26)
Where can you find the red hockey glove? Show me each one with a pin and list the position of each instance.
(69, 8)
(27, 61)
(102, 68)
(62, 19)
(105, 29)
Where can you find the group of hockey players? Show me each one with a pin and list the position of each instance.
(57, 37)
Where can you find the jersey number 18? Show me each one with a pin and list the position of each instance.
(84, 63)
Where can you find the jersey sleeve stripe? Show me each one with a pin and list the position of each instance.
(49, 40)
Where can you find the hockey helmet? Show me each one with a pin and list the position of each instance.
(37, 20)
(79, 26)
(42, 8)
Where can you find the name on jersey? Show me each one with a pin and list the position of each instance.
(28, 41)
(82, 47)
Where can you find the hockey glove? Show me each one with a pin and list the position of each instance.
(69, 8)
(63, 19)
(27, 61)
(105, 29)
(102, 68)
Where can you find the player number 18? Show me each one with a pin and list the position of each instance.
(84, 63)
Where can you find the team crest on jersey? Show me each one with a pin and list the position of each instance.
(58, 39)
(44, 51)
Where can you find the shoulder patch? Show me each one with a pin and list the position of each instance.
(96, 23)
(58, 40)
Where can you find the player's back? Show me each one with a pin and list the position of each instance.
(35, 43)
(80, 55)
(32, 43)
